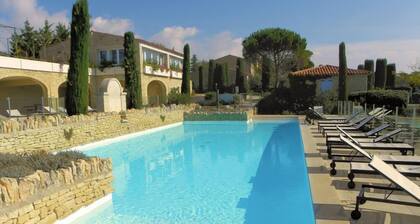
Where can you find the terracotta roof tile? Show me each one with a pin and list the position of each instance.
(326, 71)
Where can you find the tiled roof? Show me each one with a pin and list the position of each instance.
(326, 71)
(155, 45)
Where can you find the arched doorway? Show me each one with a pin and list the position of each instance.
(24, 94)
(111, 97)
(156, 93)
(62, 95)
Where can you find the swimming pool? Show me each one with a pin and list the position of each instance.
(209, 172)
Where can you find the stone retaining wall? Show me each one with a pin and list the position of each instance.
(218, 116)
(55, 133)
(45, 197)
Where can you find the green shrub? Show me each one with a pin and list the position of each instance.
(387, 98)
(328, 100)
(20, 165)
(176, 97)
(210, 96)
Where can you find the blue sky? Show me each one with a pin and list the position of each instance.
(371, 28)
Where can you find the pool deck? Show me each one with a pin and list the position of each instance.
(333, 201)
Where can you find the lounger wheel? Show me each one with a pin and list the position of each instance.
(351, 185)
(332, 164)
(333, 172)
(356, 214)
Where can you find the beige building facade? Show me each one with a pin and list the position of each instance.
(29, 86)
(160, 67)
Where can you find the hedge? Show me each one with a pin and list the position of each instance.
(387, 98)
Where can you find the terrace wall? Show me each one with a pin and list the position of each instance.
(218, 116)
(54, 133)
(45, 197)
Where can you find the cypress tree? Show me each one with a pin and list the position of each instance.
(218, 77)
(225, 77)
(210, 82)
(200, 79)
(370, 66)
(342, 73)
(77, 86)
(380, 73)
(240, 76)
(265, 74)
(186, 70)
(131, 69)
(390, 76)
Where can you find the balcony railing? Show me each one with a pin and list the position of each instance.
(162, 72)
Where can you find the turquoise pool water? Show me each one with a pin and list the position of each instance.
(209, 172)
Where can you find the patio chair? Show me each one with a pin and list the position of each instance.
(14, 113)
(372, 133)
(399, 183)
(90, 109)
(340, 121)
(402, 147)
(48, 110)
(355, 127)
(375, 112)
(338, 142)
(360, 155)
(342, 124)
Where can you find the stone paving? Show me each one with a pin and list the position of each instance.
(333, 201)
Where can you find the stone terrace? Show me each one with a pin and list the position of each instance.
(333, 201)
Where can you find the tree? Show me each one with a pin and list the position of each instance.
(45, 36)
(218, 77)
(370, 66)
(342, 73)
(194, 71)
(361, 67)
(265, 73)
(390, 76)
(30, 40)
(131, 69)
(283, 47)
(200, 79)
(210, 84)
(17, 48)
(61, 33)
(240, 77)
(225, 77)
(77, 86)
(380, 73)
(185, 86)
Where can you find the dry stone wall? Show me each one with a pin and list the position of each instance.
(54, 133)
(45, 197)
(218, 116)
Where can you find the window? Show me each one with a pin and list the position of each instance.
(102, 56)
(114, 57)
(121, 56)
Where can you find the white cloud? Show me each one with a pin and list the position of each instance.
(18, 11)
(404, 53)
(114, 25)
(219, 45)
(175, 36)
(215, 46)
